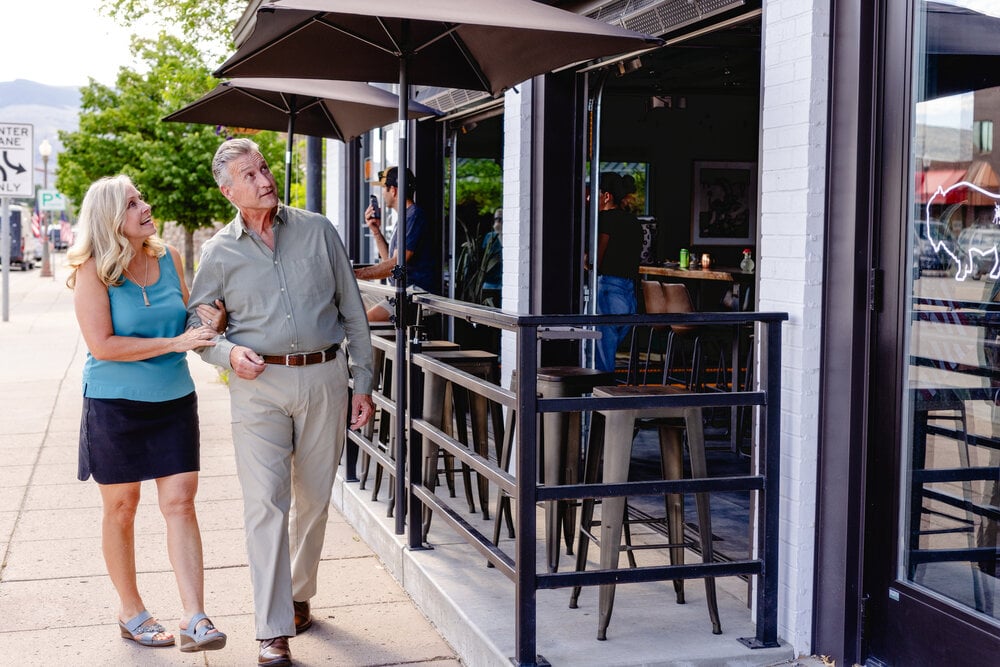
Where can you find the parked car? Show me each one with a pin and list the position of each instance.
(927, 253)
(34, 249)
(18, 253)
(56, 241)
(984, 238)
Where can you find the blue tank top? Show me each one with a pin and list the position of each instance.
(154, 380)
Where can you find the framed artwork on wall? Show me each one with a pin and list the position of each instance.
(724, 203)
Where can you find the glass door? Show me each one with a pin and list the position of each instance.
(942, 598)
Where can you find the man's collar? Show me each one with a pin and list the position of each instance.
(239, 228)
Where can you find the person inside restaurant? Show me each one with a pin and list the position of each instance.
(619, 245)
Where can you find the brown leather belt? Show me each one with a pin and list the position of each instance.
(328, 354)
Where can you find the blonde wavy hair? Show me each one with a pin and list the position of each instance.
(99, 232)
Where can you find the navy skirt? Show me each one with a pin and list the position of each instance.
(130, 441)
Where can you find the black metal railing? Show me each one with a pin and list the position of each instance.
(939, 399)
(523, 486)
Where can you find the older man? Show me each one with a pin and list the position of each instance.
(292, 304)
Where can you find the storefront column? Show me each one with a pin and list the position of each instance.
(792, 217)
(517, 122)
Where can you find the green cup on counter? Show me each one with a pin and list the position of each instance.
(685, 259)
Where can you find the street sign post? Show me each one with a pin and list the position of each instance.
(17, 154)
(17, 166)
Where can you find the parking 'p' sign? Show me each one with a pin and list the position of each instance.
(16, 155)
(51, 200)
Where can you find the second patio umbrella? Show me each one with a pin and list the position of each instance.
(315, 107)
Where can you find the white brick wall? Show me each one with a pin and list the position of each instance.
(792, 178)
(516, 215)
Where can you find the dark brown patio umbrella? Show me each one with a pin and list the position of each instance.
(486, 45)
(316, 107)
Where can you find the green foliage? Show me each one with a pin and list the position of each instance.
(208, 23)
(478, 257)
(121, 132)
(480, 182)
(640, 191)
(479, 192)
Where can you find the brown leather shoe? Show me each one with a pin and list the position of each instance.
(303, 618)
(274, 653)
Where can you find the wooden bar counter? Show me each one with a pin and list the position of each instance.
(726, 273)
(742, 281)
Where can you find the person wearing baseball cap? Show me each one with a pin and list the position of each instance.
(419, 251)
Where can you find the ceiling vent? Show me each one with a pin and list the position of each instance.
(450, 99)
(659, 17)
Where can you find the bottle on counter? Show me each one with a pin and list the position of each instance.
(685, 259)
(706, 260)
(746, 264)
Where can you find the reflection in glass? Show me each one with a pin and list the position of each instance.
(951, 501)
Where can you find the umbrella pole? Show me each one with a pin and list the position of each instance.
(399, 275)
(590, 347)
(288, 150)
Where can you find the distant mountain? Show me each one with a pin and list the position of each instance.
(22, 91)
(48, 109)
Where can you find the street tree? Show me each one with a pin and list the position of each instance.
(208, 23)
(121, 131)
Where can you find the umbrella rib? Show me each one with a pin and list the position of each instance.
(271, 42)
(263, 100)
(449, 29)
(350, 33)
(470, 60)
(392, 38)
(333, 123)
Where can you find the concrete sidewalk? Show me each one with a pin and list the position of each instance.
(57, 605)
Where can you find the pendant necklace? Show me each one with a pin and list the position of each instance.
(142, 285)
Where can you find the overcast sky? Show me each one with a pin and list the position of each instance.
(991, 7)
(61, 43)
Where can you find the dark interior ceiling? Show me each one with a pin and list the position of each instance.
(722, 62)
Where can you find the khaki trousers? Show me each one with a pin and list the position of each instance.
(289, 427)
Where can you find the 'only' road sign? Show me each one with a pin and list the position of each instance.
(16, 159)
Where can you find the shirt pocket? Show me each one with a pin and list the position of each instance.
(309, 276)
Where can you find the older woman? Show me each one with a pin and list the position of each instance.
(140, 412)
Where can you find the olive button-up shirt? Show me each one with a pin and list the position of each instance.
(301, 297)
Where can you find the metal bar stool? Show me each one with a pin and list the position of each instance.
(560, 453)
(931, 405)
(616, 444)
(437, 411)
(386, 427)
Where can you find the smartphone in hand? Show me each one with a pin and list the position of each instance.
(376, 212)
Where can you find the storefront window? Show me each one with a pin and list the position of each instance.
(639, 172)
(478, 230)
(951, 491)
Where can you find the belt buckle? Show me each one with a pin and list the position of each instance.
(295, 359)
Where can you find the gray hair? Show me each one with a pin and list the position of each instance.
(230, 150)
